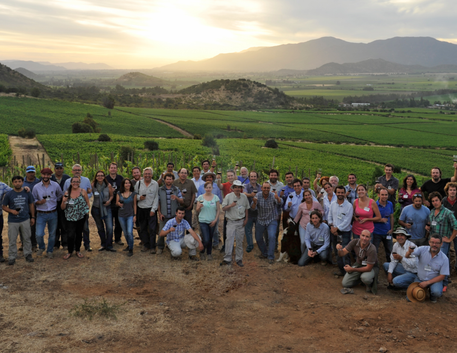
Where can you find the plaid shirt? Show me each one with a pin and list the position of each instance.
(268, 208)
(444, 223)
(4, 189)
(179, 232)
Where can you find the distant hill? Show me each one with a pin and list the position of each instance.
(84, 66)
(32, 65)
(237, 93)
(423, 51)
(138, 79)
(27, 73)
(11, 78)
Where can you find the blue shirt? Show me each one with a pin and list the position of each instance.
(53, 192)
(248, 188)
(22, 200)
(382, 228)
(216, 191)
(4, 189)
(428, 267)
(30, 184)
(179, 232)
(317, 237)
(243, 179)
(352, 193)
(419, 218)
(296, 201)
(85, 184)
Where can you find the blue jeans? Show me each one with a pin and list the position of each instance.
(445, 250)
(106, 236)
(207, 234)
(127, 227)
(344, 260)
(378, 238)
(271, 230)
(398, 271)
(51, 219)
(305, 259)
(403, 281)
(248, 232)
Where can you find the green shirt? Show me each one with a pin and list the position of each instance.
(209, 211)
(444, 223)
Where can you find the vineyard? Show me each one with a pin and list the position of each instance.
(5, 150)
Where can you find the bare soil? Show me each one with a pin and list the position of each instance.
(27, 151)
(181, 131)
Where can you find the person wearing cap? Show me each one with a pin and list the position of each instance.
(250, 190)
(432, 267)
(46, 195)
(61, 232)
(414, 218)
(235, 206)
(399, 264)
(30, 181)
(188, 191)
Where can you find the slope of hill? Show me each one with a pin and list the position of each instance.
(32, 65)
(12, 78)
(138, 79)
(27, 73)
(84, 66)
(424, 51)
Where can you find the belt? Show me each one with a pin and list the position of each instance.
(47, 211)
(236, 220)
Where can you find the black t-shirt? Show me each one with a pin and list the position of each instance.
(116, 184)
(429, 186)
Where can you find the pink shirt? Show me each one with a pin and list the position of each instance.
(409, 199)
(363, 213)
(303, 213)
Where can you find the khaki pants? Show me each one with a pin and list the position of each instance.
(13, 232)
(235, 231)
(354, 278)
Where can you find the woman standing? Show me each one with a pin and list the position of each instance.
(75, 205)
(126, 200)
(366, 212)
(208, 210)
(101, 210)
(329, 198)
(406, 193)
(307, 206)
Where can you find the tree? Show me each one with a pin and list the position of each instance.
(81, 128)
(35, 92)
(271, 144)
(26, 133)
(108, 102)
(209, 141)
(151, 145)
(104, 138)
(92, 123)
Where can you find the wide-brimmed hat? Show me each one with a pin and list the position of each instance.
(401, 230)
(236, 183)
(415, 293)
(208, 173)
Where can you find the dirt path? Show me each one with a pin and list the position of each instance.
(181, 131)
(26, 151)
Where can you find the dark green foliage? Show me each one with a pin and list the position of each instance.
(27, 133)
(209, 141)
(35, 92)
(271, 144)
(92, 123)
(197, 137)
(81, 128)
(104, 138)
(108, 102)
(151, 145)
(125, 153)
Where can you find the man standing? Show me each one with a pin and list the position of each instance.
(170, 169)
(86, 185)
(437, 184)
(46, 195)
(61, 233)
(4, 189)
(432, 267)
(450, 203)
(366, 267)
(384, 228)
(250, 190)
(136, 175)
(414, 218)
(284, 194)
(198, 181)
(294, 199)
(334, 181)
(306, 186)
(244, 175)
(351, 188)
(147, 203)
(266, 203)
(235, 206)
(275, 187)
(115, 180)
(389, 182)
(29, 182)
(20, 205)
(175, 230)
(188, 191)
(339, 220)
(226, 189)
(170, 199)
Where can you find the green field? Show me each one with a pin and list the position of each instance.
(5, 150)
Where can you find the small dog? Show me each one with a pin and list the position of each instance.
(290, 243)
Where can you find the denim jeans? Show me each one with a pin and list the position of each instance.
(104, 227)
(403, 281)
(271, 230)
(398, 271)
(51, 220)
(445, 250)
(344, 260)
(378, 238)
(248, 231)
(127, 228)
(305, 259)
(207, 234)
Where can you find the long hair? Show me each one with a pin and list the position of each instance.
(122, 188)
(94, 181)
(414, 186)
(70, 188)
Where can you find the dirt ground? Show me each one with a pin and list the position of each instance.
(184, 306)
(26, 150)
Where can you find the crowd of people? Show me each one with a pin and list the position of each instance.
(334, 223)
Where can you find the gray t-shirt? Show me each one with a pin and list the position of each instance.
(127, 209)
(18, 201)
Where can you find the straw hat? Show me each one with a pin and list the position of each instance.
(401, 230)
(415, 293)
(208, 173)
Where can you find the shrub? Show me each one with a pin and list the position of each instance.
(92, 123)
(151, 145)
(197, 137)
(35, 92)
(26, 133)
(209, 141)
(81, 128)
(108, 102)
(89, 309)
(125, 153)
(271, 144)
(104, 138)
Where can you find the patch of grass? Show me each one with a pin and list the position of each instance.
(91, 308)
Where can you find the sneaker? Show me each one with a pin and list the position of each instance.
(240, 263)
(444, 289)
(153, 251)
(271, 261)
(194, 258)
(11, 262)
(102, 249)
(144, 249)
(249, 249)
(40, 252)
(49, 255)
(159, 251)
(433, 300)
(111, 249)
(202, 256)
(2, 259)
(126, 249)
(225, 263)
(29, 258)
(119, 242)
(130, 253)
(209, 257)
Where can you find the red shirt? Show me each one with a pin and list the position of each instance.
(226, 188)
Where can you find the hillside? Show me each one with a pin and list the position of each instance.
(139, 79)
(11, 78)
(309, 55)
(27, 73)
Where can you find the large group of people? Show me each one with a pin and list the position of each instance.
(336, 224)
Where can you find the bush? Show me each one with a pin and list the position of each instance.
(125, 153)
(151, 145)
(26, 133)
(209, 141)
(108, 102)
(197, 137)
(35, 92)
(104, 138)
(271, 144)
(92, 123)
(81, 128)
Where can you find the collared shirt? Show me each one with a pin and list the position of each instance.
(296, 201)
(302, 215)
(443, 223)
(410, 264)
(267, 208)
(198, 182)
(352, 193)
(367, 256)
(340, 216)
(152, 195)
(248, 188)
(317, 237)
(243, 179)
(85, 184)
(390, 184)
(216, 191)
(276, 188)
(53, 192)
(4, 189)
(190, 189)
(419, 217)
(179, 231)
(239, 210)
(327, 204)
(61, 181)
(428, 267)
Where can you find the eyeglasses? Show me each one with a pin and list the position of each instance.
(417, 195)
(77, 170)
(76, 182)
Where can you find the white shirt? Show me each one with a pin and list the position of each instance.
(198, 182)
(410, 264)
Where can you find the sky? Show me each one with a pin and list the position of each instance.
(151, 33)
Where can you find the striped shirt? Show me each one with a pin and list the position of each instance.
(267, 208)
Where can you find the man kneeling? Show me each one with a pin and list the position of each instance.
(175, 229)
(316, 239)
(365, 268)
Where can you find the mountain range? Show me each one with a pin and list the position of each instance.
(47, 66)
(309, 55)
